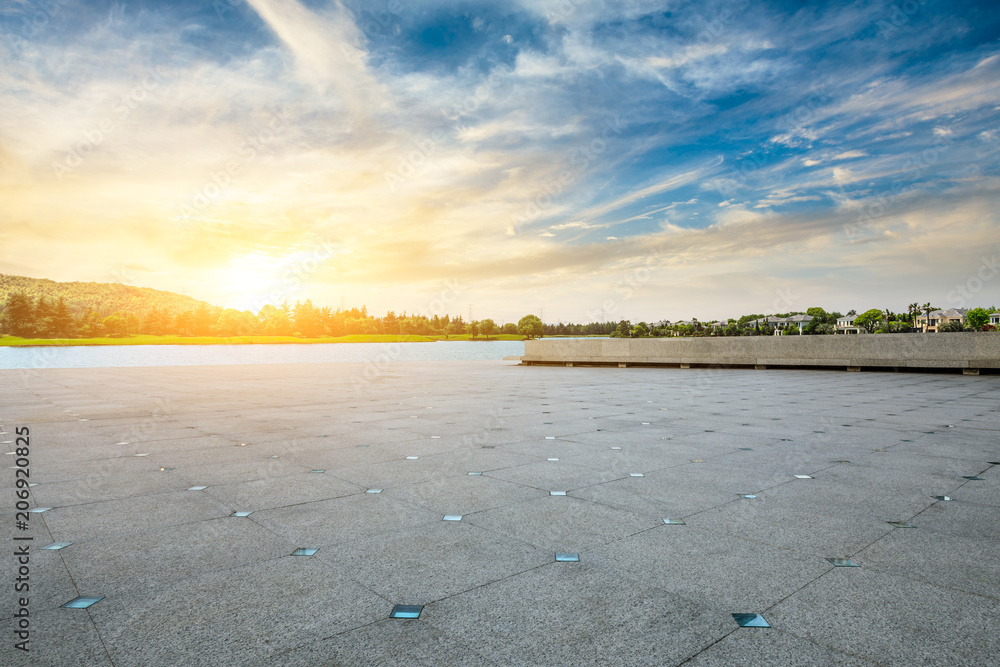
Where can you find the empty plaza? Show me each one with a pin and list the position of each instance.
(856, 513)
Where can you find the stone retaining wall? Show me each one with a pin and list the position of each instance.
(967, 351)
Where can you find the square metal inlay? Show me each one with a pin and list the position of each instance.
(636, 474)
(941, 498)
(165, 469)
(748, 496)
(435, 437)
(140, 455)
(843, 562)
(246, 513)
(317, 471)
(746, 449)
(197, 488)
(551, 459)
(55, 546)
(550, 437)
(674, 522)
(39, 510)
(274, 456)
(488, 447)
(406, 611)
(412, 458)
(362, 445)
(452, 517)
(974, 478)
(476, 474)
(994, 463)
(305, 551)
(82, 602)
(374, 491)
(803, 477)
(616, 448)
(751, 621)
(901, 524)
(567, 558)
(557, 493)
(697, 460)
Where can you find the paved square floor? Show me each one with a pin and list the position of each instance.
(766, 474)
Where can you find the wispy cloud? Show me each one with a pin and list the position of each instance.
(711, 142)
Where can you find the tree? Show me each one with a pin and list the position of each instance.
(927, 308)
(869, 319)
(488, 328)
(951, 327)
(509, 328)
(91, 325)
(977, 317)
(18, 315)
(43, 319)
(201, 320)
(530, 326)
(115, 324)
(640, 330)
(63, 324)
(473, 329)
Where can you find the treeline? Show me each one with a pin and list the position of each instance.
(25, 317)
(101, 298)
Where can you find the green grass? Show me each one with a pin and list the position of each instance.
(479, 338)
(13, 341)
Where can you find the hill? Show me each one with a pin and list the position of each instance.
(105, 298)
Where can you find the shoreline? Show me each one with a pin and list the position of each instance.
(239, 340)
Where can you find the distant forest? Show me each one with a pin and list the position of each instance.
(40, 308)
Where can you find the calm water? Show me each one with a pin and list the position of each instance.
(223, 355)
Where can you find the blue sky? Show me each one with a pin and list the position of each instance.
(598, 160)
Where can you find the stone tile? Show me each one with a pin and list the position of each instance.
(564, 614)
(891, 620)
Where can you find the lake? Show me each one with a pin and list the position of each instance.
(224, 355)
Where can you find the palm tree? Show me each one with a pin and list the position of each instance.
(927, 308)
(913, 309)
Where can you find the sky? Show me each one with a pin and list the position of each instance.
(575, 159)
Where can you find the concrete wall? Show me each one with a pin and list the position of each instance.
(948, 350)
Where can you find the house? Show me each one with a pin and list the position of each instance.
(779, 324)
(798, 321)
(764, 322)
(931, 321)
(845, 325)
(995, 318)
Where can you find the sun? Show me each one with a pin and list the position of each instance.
(252, 280)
